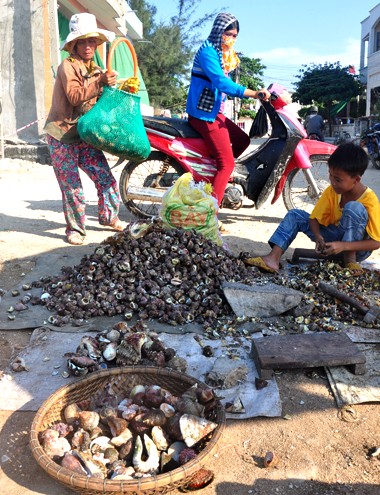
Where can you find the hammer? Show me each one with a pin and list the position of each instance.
(370, 315)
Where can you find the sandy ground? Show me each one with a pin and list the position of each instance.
(318, 453)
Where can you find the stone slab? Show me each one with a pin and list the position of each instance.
(260, 300)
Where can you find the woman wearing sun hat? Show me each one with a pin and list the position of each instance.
(77, 87)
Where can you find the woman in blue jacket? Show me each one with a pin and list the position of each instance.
(209, 85)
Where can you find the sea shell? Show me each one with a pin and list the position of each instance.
(19, 364)
(173, 428)
(200, 479)
(81, 439)
(167, 409)
(154, 396)
(89, 420)
(154, 417)
(107, 412)
(100, 444)
(123, 473)
(129, 413)
(109, 352)
(160, 438)
(116, 425)
(186, 455)
(137, 389)
(175, 449)
(54, 445)
(93, 467)
(111, 455)
(126, 451)
(194, 428)
(113, 335)
(188, 405)
(270, 459)
(70, 461)
(122, 438)
(152, 463)
(71, 413)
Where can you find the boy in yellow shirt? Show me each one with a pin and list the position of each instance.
(346, 218)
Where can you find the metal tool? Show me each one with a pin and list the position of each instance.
(370, 314)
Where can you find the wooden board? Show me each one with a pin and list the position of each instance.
(305, 351)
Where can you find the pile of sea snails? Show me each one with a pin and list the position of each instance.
(143, 431)
(171, 275)
(325, 312)
(122, 346)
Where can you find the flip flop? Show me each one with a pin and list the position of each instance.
(260, 264)
(75, 239)
(222, 229)
(115, 225)
(355, 269)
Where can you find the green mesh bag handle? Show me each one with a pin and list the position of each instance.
(114, 124)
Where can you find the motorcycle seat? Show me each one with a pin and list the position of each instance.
(172, 126)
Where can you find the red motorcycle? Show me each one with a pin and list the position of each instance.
(287, 163)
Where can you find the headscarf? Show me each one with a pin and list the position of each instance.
(229, 57)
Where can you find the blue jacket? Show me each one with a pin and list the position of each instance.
(208, 83)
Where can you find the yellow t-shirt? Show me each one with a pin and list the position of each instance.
(327, 211)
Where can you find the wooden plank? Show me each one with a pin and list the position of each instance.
(305, 351)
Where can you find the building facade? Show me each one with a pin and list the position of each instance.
(370, 59)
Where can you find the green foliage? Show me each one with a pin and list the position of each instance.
(250, 72)
(326, 85)
(246, 112)
(165, 57)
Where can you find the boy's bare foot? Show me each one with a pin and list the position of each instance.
(260, 263)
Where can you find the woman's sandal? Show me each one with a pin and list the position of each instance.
(116, 225)
(75, 238)
(355, 269)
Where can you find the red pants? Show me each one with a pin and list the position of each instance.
(226, 141)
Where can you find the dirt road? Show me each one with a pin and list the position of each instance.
(318, 452)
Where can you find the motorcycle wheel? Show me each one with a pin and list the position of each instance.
(143, 174)
(298, 193)
(375, 162)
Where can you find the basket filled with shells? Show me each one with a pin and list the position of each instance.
(131, 430)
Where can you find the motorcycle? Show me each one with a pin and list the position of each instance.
(287, 163)
(370, 140)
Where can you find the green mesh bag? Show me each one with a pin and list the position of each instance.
(114, 124)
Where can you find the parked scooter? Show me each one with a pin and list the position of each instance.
(370, 140)
(287, 163)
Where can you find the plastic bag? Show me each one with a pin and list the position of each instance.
(189, 205)
(114, 124)
(260, 125)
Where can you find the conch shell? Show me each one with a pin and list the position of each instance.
(194, 428)
(152, 463)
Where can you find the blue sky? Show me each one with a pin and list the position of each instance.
(287, 35)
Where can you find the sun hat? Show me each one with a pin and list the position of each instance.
(84, 26)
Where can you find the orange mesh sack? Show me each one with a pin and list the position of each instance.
(114, 124)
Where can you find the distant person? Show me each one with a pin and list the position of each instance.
(314, 124)
(345, 220)
(77, 87)
(210, 83)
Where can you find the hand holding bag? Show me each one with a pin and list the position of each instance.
(114, 124)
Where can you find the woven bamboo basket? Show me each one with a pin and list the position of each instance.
(121, 379)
